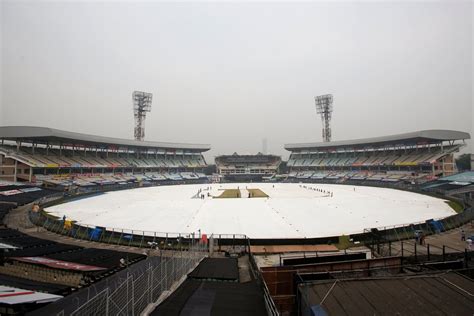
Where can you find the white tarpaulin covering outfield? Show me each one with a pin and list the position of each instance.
(291, 211)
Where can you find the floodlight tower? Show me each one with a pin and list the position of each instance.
(324, 107)
(141, 105)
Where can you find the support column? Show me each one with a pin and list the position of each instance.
(15, 172)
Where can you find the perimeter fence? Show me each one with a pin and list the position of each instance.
(131, 291)
(136, 292)
(409, 231)
(171, 240)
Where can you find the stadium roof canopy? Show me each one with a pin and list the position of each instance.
(467, 176)
(53, 136)
(414, 138)
(445, 293)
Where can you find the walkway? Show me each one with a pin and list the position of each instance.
(216, 295)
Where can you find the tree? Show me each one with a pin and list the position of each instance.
(283, 167)
(463, 162)
(210, 169)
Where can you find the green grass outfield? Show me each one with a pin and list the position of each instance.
(455, 206)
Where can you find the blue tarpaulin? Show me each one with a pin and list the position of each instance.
(318, 310)
(128, 237)
(436, 225)
(95, 234)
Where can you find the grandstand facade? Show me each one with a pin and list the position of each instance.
(38, 154)
(247, 167)
(411, 156)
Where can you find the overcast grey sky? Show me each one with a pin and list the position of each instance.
(232, 74)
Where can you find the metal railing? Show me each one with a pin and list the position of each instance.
(270, 305)
(407, 231)
(132, 294)
(128, 237)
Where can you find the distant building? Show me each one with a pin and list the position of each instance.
(247, 167)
